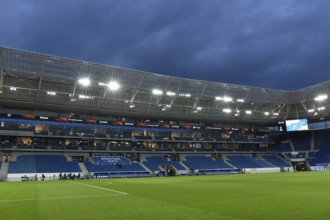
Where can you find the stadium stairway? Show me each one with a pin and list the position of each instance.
(291, 145)
(4, 171)
(312, 142)
(145, 167)
(184, 165)
(83, 168)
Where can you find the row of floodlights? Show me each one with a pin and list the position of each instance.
(248, 112)
(227, 99)
(170, 93)
(114, 85)
(318, 109)
(319, 98)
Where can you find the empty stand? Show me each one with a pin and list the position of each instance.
(205, 163)
(43, 164)
(108, 164)
(276, 161)
(322, 146)
(155, 162)
(242, 162)
(301, 140)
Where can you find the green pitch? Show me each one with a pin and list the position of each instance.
(259, 196)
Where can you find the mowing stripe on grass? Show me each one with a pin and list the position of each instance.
(53, 198)
(98, 187)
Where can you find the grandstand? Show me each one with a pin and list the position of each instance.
(60, 115)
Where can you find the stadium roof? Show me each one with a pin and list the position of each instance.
(43, 82)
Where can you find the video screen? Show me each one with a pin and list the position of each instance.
(296, 125)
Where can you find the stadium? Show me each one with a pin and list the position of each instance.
(101, 134)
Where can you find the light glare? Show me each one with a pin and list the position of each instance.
(157, 92)
(113, 85)
(84, 81)
(169, 93)
(227, 110)
(227, 99)
(321, 98)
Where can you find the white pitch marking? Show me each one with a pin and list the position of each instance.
(98, 187)
(51, 198)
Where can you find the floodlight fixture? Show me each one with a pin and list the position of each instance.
(85, 97)
(169, 93)
(218, 98)
(113, 85)
(240, 100)
(321, 108)
(13, 88)
(199, 108)
(186, 95)
(157, 92)
(51, 93)
(266, 113)
(275, 113)
(227, 99)
(84, 81)
(226, 110)
(321, 98)
(310, 110)
(248, 112)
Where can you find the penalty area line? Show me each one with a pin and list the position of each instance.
(52, 198)
(98, 187)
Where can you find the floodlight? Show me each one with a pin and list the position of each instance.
(321, 108)
(84, 81)
(266, 113)
(113, 85)
(226, 110)
(227, 99)
(85, 97)
(310, 110)
(218, 98)
(51, 93)
(169, 93)
(157, 92)
(13, 88)
(240, 100)
(321, 98)
(199, 108)
(187, 95)
(276, 113)
(248, 112)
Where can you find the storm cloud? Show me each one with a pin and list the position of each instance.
(278, 44)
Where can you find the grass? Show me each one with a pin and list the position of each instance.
(304, 195)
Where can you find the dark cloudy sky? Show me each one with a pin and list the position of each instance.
(281, 44)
